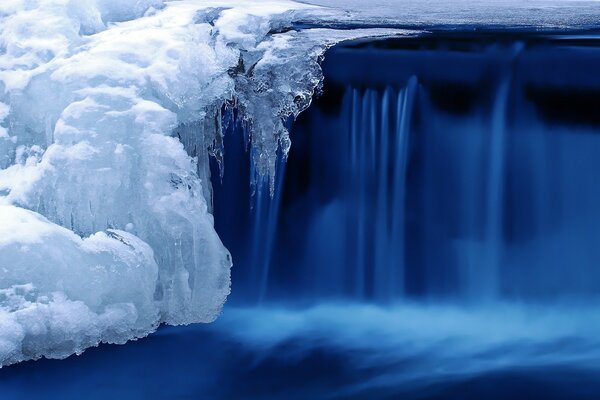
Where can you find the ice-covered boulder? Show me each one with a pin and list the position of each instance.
(61, 293)
(108, 111)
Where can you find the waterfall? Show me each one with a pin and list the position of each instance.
(265, 209)
(376, 188)
(437, 184)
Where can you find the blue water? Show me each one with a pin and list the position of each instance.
(451, 167)
(339, 351)
(433, 234)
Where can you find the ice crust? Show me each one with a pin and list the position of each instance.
(108, 112)
(78, 291)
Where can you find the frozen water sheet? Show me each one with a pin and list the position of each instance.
(108, 110)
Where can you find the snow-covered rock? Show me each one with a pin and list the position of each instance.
(108, 111)
(61, 293)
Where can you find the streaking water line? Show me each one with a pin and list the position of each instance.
(375, 199)
(265, 211)
(485, 284)
(403, 115)
(382, 242)
(271, 229)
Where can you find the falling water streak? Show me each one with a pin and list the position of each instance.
(354, 113)
(360, 139)
(256, 258)
(383, 272)
(271, 228)
(264, 205)
(488, 280)
(403, 114)
(373, 119)
(370, 214)
(377, 190)
(544, 172)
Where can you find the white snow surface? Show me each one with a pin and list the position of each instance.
(108, 110)
(78, 291)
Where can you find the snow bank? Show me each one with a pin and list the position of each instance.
(108, 111)
(77, 291)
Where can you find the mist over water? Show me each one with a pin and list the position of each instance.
(417, 345)
(343, 350)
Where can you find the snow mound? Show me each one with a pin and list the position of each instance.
(78, 291)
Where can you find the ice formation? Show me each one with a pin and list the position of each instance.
(77, 291)
(108, 111)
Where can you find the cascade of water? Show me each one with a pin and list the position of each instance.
(359, 138)
(271, 228)
(378, 143)
(384, 282)
(265, 209)
(470, 193)
(398, 183)
(485, 284)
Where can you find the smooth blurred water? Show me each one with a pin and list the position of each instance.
(339, 351)
(451, 167)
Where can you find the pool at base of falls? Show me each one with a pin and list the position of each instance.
(340, 351)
